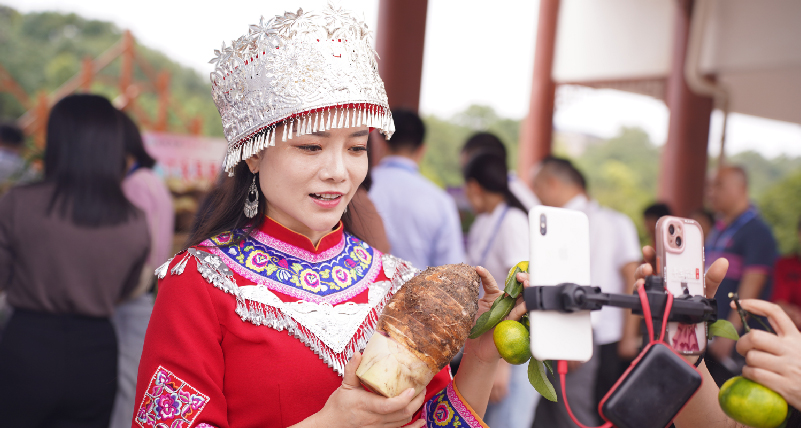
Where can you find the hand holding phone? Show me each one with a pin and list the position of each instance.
(680, 262)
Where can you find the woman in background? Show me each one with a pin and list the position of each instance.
(71, 247)
(498, 240)
(146, 191)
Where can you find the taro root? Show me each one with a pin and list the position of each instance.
(421, 329)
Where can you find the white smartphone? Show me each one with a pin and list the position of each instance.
(559, 253)
(680, 262)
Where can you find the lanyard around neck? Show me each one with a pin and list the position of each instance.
(494, 234)
(719, 241)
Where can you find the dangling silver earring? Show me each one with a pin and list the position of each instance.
(346, 208)
(251, 207)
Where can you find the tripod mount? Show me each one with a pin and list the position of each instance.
(568, 298)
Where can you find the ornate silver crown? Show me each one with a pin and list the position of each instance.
(311, 70)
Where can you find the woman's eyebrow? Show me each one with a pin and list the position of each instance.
(360, 133)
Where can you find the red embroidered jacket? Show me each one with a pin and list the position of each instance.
(256, 334)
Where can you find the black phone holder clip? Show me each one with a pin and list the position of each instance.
(568, 298)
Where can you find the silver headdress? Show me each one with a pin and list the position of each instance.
(311, 70)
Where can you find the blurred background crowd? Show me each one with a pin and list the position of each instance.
(108, 184)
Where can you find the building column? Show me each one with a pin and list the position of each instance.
(537, 128)
(400, 40)
(682, 176)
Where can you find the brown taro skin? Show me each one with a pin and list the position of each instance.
(433, 313)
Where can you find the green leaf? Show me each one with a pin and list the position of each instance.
(478, 329)
(539, 380)
(723, 328)
(513, 287)
(499, 310)
(549, 364)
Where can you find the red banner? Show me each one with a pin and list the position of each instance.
(189, 158)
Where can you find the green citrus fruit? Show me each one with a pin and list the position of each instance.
(511, 339)
(752, 404)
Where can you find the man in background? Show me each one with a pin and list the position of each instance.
(614, 256)
(420, 219)
(746, 241)
(650, 215)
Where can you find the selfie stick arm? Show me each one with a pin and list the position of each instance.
(569, 298)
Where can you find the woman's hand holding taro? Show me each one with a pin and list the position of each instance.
(350, 406)
(483, 347)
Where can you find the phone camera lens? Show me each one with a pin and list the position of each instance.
(678, 241)
(671, 229)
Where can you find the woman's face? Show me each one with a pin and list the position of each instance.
(309, 180)
(475, 196)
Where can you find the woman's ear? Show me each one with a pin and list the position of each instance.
(255, 161)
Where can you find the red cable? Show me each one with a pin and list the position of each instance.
(561, 367)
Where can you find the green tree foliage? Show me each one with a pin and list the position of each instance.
(781, 207)
(622, 173)
(42, 50)
(762, 173)
(445, 138)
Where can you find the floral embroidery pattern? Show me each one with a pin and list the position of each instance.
(448, 409)
(332, 276)
(443, 413)
(169, 402)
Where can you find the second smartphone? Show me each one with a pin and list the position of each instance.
(680, 263)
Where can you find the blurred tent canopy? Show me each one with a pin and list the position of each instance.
(749, 49)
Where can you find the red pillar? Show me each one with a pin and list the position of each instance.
(399, 42)
(682, 175)
(536, 129)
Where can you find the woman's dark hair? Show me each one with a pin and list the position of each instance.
(134, 146)
(657, 210)
(484, 142)
(222, 209)
(85, 160)
(489, 171)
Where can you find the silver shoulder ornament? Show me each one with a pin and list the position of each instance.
(333, 332)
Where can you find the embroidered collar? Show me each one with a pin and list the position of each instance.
(339, 268)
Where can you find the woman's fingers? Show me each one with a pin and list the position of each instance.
(349, 379)
(763, 360)
(778, 319)
(522, 277)
(714, 276)
(386, 406)
(487, 281)
(761, 341)
(405, 414)
(766, 378)
(518, 311)
(649, 255)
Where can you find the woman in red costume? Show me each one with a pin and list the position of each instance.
(259, 323)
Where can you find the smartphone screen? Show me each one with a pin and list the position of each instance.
(559, 253)
(680, 262)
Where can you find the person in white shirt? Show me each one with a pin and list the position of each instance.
(498, 240)
(614, 257)
(420, 219)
